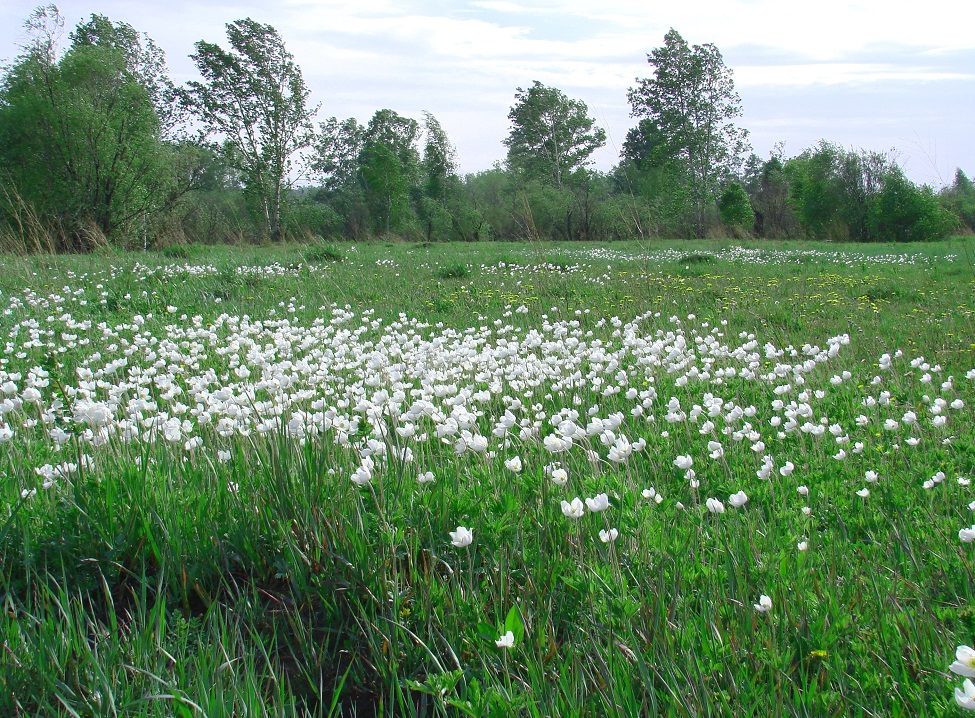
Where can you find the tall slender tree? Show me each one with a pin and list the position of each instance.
(255, 97)
(389, 163)
(686, 112)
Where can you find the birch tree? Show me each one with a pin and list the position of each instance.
(551, 135)
(255, 97)
(686, 111)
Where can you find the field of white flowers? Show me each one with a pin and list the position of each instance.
(612, 482)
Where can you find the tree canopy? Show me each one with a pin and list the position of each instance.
(254, 96)
(82, 131)
(551, 135)
(685, 113)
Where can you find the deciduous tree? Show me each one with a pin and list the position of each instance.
(83, 133)
(551, 135)
(686, 112)
(255, 97)
(389, 163)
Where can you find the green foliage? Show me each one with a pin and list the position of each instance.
(904, 212)
(92, 152)
(686, 113)
(255, 97)
(337, 146)
(736, 209)
(861, 196)
(457, 270)
(660, 199)
(305, 217)
(959, 199)
(768, 189)
(551, 135)
(324, 253)
(83, 134)
(389, 163)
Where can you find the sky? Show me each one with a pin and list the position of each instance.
(882, 75)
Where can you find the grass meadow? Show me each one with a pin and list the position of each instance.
(677, 479)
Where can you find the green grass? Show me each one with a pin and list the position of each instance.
(163, 580)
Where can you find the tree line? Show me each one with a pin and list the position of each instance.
(98, 146)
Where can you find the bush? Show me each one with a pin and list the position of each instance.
(323, 253)
(304, 219)
(903, 212)
(453, 271)
(736, 210)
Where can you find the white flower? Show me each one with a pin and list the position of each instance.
(871, 476)
(478, 444)
(806, 511)
(787, 469)
(557, 444)
(967, 536)
(802, 545)
(560, 476)
(425, 477)
(514, 464)
(683, 462)
(575, 509)
(600, 502)
(738, 500)
(608, 536)
(764, 604)
(715, 506)
(461, 537)
(964, 664)
(652, 494)
(715, 449)
(803, 490)
(362, 475)
(28, 493)
(863, 493)
(506, 641)
(965, 696)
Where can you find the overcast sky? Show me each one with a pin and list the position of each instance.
(876, 74)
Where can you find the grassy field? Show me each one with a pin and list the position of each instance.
(683, 479)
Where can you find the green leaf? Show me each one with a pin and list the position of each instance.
(513, 623)
(487, 631)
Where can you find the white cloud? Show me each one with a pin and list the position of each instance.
(837, 73)
(463, 60)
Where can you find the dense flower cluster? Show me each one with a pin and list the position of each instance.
(589, 407)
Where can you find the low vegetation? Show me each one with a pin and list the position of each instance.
(488, 479)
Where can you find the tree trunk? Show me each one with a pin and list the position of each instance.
(276, 214)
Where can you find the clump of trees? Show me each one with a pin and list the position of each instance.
(97, 146)
(88, 144)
